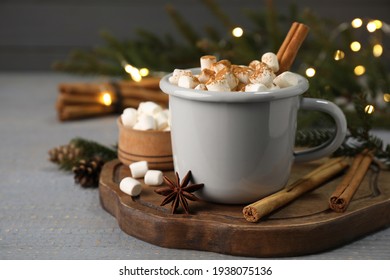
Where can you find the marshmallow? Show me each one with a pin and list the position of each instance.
(161, 119)
(153, 177)
(187, 81)
(254, 64)
(130, 186)
(240, 87)
(177, 73)
(271, 60)
(167, 113)
(224, 74)
(263, 75)
(149, 108)
(222, 64)
(207, 61)
(242, 73)
(206, 75)
(218, 85)
(201, 87)
(149, 116)
(129, 117)
(138, 169)
(255, 88)
(145, 122)
(273, 87)
(286, 79)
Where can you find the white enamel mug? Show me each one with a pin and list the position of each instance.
(241, 145)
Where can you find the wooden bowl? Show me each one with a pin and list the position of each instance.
(151, 145)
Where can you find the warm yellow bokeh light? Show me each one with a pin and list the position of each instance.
(371, 26)
(377, 50)
(378, 24)
(369, 109)
(134, 72)
(128, 68)
(237, 32)
(144, 72)
(355, 46)
(356, 23)
(386, 97)
(310, 72)
(106, 98)
(359, 70)
(339, 55)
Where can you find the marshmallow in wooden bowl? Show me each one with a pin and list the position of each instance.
(144, 135)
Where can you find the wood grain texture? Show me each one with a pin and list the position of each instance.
(152, 146)
(304, 226)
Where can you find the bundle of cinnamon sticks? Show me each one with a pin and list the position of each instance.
(83, 100)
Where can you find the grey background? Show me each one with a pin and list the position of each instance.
(34, 33)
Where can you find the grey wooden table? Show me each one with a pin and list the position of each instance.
(44, 215)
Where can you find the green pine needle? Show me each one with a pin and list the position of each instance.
(88, 150)
(92, 149)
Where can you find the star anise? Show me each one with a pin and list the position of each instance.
(178, 192)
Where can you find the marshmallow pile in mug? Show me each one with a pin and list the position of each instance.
(222, 75)
(148, 116)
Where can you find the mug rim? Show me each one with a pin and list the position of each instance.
(213, 96)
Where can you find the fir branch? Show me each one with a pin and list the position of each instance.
(312, 138)
(80, 149)
(364, 125)
(212, 33)
(92, 149)
(273, 27)
(184, 27)
(351, 146)
(218, 13)
(89, 62)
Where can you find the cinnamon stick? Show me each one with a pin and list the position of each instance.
(287, 40)
(257, 210)
(146, 94)
(93, 88)
(149, 83)
(291, 45)
(65, 98)
(80, 88)
(74, 96)
(344, 192)
(135, 93)
(82, 111)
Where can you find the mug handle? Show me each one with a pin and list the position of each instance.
(332, 145)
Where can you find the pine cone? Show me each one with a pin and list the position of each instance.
(64, 153)
(87, 172)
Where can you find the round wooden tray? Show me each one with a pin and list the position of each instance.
(304, 226)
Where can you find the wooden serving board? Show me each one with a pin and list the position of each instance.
(304, 226)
